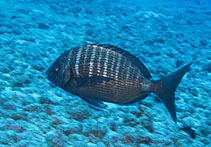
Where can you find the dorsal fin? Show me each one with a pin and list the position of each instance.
(132, 58)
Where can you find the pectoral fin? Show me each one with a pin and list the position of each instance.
(96, 104)
(89, 81)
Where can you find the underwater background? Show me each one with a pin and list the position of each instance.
(164, 34)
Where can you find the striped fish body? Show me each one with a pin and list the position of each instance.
(105, 73)
(98, 73)
(125, 79)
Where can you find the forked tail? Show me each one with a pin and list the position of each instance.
(167, 87)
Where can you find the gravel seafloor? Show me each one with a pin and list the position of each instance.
(163, 34)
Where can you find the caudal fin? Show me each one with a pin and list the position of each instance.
(167, 87)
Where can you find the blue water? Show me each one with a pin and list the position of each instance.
(164, 34)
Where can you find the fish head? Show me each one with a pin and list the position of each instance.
(59, 72)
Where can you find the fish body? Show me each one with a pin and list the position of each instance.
(106, 73)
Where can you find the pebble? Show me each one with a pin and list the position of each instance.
(13, 125)
(130, 120)
(50, 99)
(76, 137)
(97, 131)
(74, 127)
(79, 113)
(43, 26)
(205, 130)
(91, 145)
(75, 9)
(207, 67)
(10, 105)
(33, 107)
(147, 123)
(55, 139)
(113, 137)
(112, 125)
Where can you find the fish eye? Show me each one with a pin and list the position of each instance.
(57, 69)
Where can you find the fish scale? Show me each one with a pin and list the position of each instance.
(119, 85)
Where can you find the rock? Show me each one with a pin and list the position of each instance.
(13, 125)
(75, 9)
(33, 107)
(50, 99)
(44, 100)
(32, 142)
(90, 32)
(207, 67)
(113, 125)
(20, 81)
(101, 144)
(138, 113)
(147, 123)
(113, 137)
(144, 145)
(74, 127)
(22, 143)
(76, 137)
(10, 105)
(205, 141)
(128, 137)
(181, 137)
(79, 113)
(19, 115)
(203, 42)
(101, 119)
(42, 25)
(7, 138)
(130, 120)
(38, 66)
(159, 40)
(144, 140)
(49, 109)
(91, 145)
(208, 121)
(205, 130)
(56, 139)
(89, 11)
(98, 130)
(179, 63)
(77, 140)
(5, 69)
(16, 32)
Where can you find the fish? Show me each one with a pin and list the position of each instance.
(100, 73)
